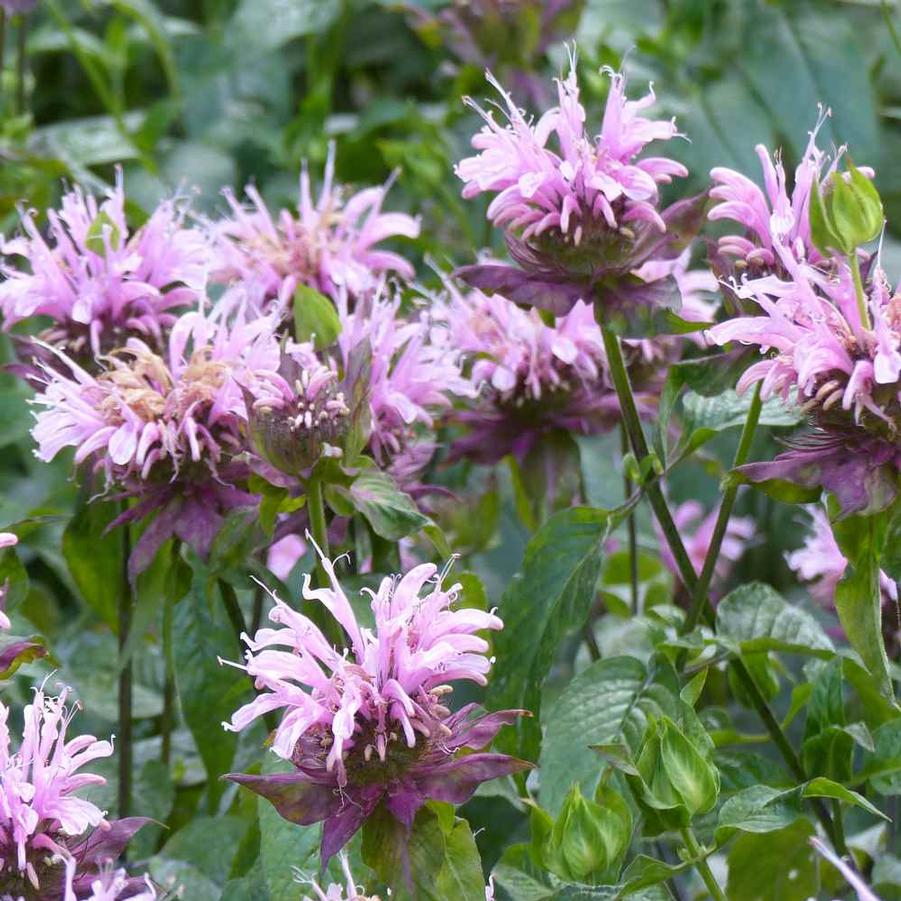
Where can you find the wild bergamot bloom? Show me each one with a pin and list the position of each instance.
(368, 724)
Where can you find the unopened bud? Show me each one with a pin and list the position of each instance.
(845, 212)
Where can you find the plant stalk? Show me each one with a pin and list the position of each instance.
(21, 57)
(630, 527)
(167, 723)
(689, 577)
(701, 591)
(318, 525)
(854, 263)
(232, 608)
(701, 865)
(124, 740)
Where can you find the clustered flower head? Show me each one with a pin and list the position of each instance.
(533, 376)
(164, 427)
(54, 845)
(829, 344)
(330, 244)
(575, 208)
(99, 282)
(821, 563)
(368, 724)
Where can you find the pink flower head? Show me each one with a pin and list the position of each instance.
(581, 214)
(846, 372)
(777, 222)
(415, 374)
(330, 244)
(100, 282)
(52, 842)
(369, 723)
(696, 529)
(821, 563)
(552, 178)
(534, 376)
(165, 428)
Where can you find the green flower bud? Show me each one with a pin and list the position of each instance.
(589, 838)
(676, 778)
(845, 212)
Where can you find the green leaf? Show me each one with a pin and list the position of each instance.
(284, 845)
(268, 24)
(438, 859)
(609, 703)
(391, 512)
(858, 596)
(882, 766)
(551, 596)
(208, 691)
(103, 231)
(756, 617)
(826, 788)
(760, 808)
(209, 844)
(315, 318)
(95, 558)
(774, 866)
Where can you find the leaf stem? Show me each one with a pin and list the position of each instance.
(854, 263)
(701, 865)
(318, 525)
(630, 527)
(655, 495)
(699, 599)
(21, 56)
(126, 676)
(232, 608)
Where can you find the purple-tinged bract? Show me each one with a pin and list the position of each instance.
(368, 725)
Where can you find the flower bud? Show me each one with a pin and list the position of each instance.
(587, 841)
(676, 777)
(845, 212)
(292, 433)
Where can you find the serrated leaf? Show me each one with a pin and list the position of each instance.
(760, 808)
(391, 512)
(608, 703)
(757, 618)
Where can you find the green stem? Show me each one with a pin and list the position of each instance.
(700, 599)
(700, 863)
(3, 49)
(858, 290)
(126, 675)
(620, 378)
(167, 721)
(630, 527)
(632, 423)
(318, 525)
(21, 56)
(232, 608)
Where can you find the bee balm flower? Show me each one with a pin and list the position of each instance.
(368, 724)
(53, 844)
(100, 282)
(329, 244)
(577, 210)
